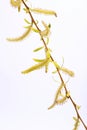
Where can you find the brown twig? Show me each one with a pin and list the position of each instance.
(46, 48)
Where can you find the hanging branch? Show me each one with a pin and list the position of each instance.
(62, 93)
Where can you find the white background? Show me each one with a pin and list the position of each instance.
(24, 99)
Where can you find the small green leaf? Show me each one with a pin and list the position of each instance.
(54, 72)
(38, 60)
(26, 27)
(26, 21)
(35, 30)
(38, 49)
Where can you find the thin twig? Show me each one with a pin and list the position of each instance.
(46, 48)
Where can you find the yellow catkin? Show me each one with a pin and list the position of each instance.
(46, 31)
(56, 100)
(69, 72)
(28, 30)
(65, 70)
(58, 95)
(54, 103)
(35, 30)
(15, 3)
(76, 125)
(35, 67)
(62, 100)
(43, 11)
(47, 53)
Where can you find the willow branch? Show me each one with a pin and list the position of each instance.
(58, 71)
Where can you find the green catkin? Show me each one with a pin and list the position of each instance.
(43, 11)
(20, 38)
(67, 71)
(35, 67)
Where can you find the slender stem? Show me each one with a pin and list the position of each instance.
(35, 24)
(46, 48)
(76, 109)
